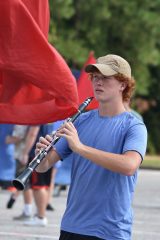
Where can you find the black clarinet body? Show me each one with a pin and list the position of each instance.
(20, 182)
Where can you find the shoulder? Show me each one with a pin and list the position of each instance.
(85, 116)
(135, 135)
(137, 115)
(132, 122)
(88, 114)
(133, 119)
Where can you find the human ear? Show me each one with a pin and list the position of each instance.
(123, 86)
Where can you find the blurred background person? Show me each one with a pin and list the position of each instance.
(148, 107)
(18, 138)
(39, 184)
(7, 162)
(24, 158)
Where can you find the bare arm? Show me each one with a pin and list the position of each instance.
(18, 135)
(12, 139)
(126, 163)
(29, 142)
(31, 138)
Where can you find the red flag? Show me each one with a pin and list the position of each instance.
(36, 85)
(85, 86)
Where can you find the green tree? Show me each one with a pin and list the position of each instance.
(128, 28)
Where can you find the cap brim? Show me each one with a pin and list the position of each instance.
(106, 70)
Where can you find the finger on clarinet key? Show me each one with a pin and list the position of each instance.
(49, 137)
(44, 141)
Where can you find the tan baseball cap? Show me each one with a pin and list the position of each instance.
(110, 65)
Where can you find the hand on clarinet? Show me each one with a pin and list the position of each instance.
(68, 131)
(43, 143)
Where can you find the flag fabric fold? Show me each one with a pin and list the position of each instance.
(36, 84)
(85, 86)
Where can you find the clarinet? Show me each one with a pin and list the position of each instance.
(20, 182)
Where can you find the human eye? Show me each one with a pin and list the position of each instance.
(105, 78)
(94, 77)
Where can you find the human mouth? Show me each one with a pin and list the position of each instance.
(98, 90)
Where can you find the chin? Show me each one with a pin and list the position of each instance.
(97, 97)
(100, 98)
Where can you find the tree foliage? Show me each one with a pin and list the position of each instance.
(128, 28)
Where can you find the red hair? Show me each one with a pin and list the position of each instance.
(130, 86)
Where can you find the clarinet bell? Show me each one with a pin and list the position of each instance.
(20, 182)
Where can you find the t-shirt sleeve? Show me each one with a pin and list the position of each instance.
(136, 139)
(62, 148)
(19, 131)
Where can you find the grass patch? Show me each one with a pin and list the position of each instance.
(152, 162)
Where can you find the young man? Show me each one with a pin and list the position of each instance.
(107, 146)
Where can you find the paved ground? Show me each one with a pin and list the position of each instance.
(146, 213)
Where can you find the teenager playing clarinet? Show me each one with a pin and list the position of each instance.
(107, 146)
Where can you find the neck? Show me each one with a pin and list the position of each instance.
(111, 109)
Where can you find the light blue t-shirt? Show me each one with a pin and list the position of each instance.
(99, 200)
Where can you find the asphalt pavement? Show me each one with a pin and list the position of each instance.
(146, 206)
